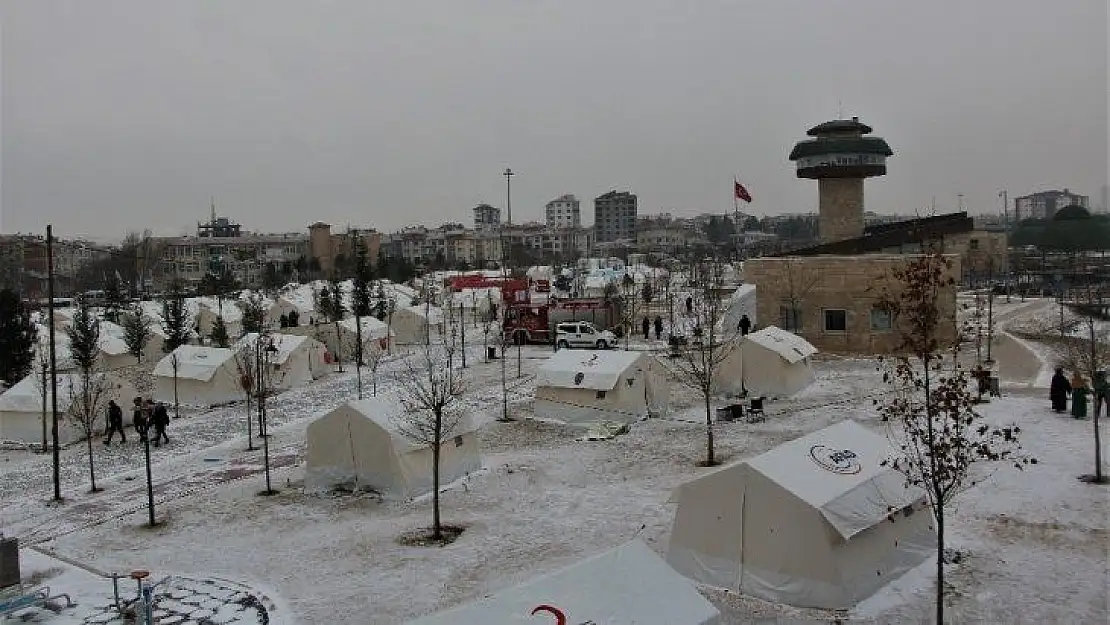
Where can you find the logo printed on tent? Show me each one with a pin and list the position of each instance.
(842, 461)
(560, 617)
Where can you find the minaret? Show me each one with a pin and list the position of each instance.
(213, 221)
(839, 157)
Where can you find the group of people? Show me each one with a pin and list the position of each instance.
(1077, 388)
(145, 416)
(744, 326)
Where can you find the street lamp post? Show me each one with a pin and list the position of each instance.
(508, 173)
(149, 481)
(53, 363)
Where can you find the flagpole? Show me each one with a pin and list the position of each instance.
(736, 217)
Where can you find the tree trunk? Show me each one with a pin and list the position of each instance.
(437, 528)
(92, 468)
(710, 458)
(1098, 445)
(939, 516)
(250, 427)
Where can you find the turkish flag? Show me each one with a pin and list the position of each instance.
(741, 192)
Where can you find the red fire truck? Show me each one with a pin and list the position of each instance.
(528, 321)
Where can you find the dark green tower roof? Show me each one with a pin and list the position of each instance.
(839, 126)
(840, 145)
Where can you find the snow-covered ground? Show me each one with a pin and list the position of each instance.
(1035, 541)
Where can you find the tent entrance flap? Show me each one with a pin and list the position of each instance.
(869, 504)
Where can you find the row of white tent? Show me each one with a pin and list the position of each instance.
(582, 387)
(821, 521)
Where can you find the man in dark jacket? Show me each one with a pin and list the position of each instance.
(658, 328)
(1058, 391)
(645, 326)
(161, 420)
(1101, 389)
(115, 422)
(139, 419)
(745, 325)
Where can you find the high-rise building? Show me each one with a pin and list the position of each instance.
(487, 217)
(615, 217)
(839, 157)
(1044, 204)
(564, 211)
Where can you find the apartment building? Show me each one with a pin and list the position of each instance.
(1044, 204)
(564, 211)
(615, 217)
(486, 217)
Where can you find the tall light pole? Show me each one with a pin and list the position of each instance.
(53, 362)
(508, 173)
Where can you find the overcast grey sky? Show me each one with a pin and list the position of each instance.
(120, 115)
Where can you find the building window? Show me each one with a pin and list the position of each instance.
(601, 394)
(880, 320)
(973, 244)
(790, 318)
(836, 320)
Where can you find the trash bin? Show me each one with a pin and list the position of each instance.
(9, 562)
(491, 353)
(724, 414)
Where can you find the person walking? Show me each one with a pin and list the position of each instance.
(689, 305)
(160, 420)
(115, 422)
(1079, 392)
(745, 325)
(1059, 390)
(658, 328)
(1101, 390)
(139, 419)
(645, 325)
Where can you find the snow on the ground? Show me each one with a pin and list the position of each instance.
(181, 599)
(545, 500)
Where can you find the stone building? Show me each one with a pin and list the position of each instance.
(832, 301)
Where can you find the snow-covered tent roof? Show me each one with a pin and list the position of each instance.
(286, 345)
(388, 412)
(230, 310)
(790, 346)
(25, 396)
(194, 362)
(628, 585)
(841, 472)
(372, 328)
(599, 371)
(434, 314)
(112, 345)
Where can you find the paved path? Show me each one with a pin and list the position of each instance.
(1016, 363)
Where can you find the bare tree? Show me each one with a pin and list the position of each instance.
(374, 359)
(245, 366)
(930, 411)
(698, 365)
(1090, 354)
(89, 393)
(42, 383)
(431, 389)
(799, 282)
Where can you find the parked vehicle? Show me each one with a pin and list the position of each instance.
(583, 334)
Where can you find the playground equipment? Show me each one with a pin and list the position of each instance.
(141, 608)
(15, 596)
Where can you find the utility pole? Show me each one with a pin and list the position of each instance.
(508, 173)
(53, 363)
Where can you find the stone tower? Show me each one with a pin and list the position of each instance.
(839, 157)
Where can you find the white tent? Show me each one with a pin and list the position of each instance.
(342, 340)
(776, 362)
(411, 324)
(297, 362)
(21, 406)
(205, 310)
(628, 585)
(582, 387)
(284, 305)
(206, 376)
(816, 522)
(360, 445)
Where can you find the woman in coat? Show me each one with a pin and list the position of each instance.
(1079, 391)
(1059, 390)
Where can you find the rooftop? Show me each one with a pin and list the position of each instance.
(839, 126)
